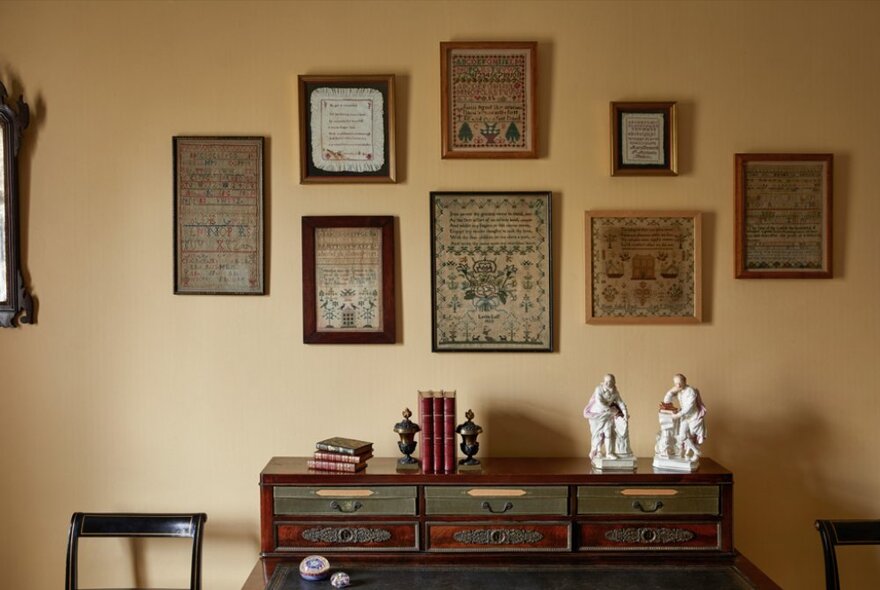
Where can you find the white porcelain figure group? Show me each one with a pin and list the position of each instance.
(682, 427)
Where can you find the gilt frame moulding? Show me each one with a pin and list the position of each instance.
(783, 216)
(643, 267)
(347, 129)
(488, 97)
(491, 272)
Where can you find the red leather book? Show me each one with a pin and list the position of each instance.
(335, 466)
(426, 422)
(341, 458)
(449, 455)
(439, 427)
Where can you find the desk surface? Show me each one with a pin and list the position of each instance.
(738, 574)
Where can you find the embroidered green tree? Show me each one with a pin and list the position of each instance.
(512, 134)
(464, 133)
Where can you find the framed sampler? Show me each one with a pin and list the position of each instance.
(644, 139)
(783, 216)
(346, 129)
(348, 280)
(643, 267)
(491, 272)
(488, 93)
(218, 216)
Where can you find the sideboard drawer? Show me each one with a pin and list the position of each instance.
(654, 536)
(331, 536)
(498, 536)
(648, 500)
(486, 501)
(341, 501)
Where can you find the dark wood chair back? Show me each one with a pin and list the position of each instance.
(844, 532)
(87, 524)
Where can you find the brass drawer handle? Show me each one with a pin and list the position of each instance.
(658, 504)
(486, 506)
(346, 507)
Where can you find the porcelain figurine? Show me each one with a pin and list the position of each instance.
(609, 427)
(682, 427)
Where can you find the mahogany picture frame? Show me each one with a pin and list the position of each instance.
(508, 112)
(644, 139)
(784, 215)
(348, 280)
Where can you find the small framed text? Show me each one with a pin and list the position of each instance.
(783, 216)
(643, 267)
(218, 215)
(491, 272)
(348, 280)
(487, 99)
(643, 139)
(346, 129)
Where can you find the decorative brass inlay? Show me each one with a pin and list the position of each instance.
(497, 536)
(345, 493)
(495, 492)
(648, 492)
(646, 535)
(346, 535)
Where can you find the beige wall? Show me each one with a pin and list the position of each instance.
(126, 397)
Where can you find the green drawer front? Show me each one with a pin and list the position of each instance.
(647, 500)
(486, 501)
(342, 501)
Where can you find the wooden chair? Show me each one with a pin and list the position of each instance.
(136, 525)
(844, 532)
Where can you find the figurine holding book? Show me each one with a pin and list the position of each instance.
(682, 427)
(609, 427)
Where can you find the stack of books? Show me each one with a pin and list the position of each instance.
(347, 455)
(437, 419)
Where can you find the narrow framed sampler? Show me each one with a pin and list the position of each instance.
(348, 280)
(488, 99)
(783, 216)
(491, 272)
(346, 129)
(644, 139)
(643, 267)
(218, 215)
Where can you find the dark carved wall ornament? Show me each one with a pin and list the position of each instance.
(14, 296)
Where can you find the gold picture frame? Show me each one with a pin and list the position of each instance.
(643, 267)
(644, 139)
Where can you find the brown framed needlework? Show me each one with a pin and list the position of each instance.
(347, 129)
(491, 272)
(488, 99)
(218, 215)
(348, 280)
(783, 216)
(644, 139)
(643, 267)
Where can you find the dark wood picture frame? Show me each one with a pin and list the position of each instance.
(784, 212)
(644, 139)
(356, 97)
(339, 292)
(16, 303)
(491, 271)
(517, 100)
(656, 279)
(219, 226)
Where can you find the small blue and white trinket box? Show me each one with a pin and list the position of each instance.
(340, 580)
(314, 567)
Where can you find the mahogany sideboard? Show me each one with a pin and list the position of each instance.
(515, 523)
(513, 508)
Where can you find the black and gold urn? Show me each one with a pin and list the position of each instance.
(469, 432)
(407, 430)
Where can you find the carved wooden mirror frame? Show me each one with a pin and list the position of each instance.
(14, 296)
